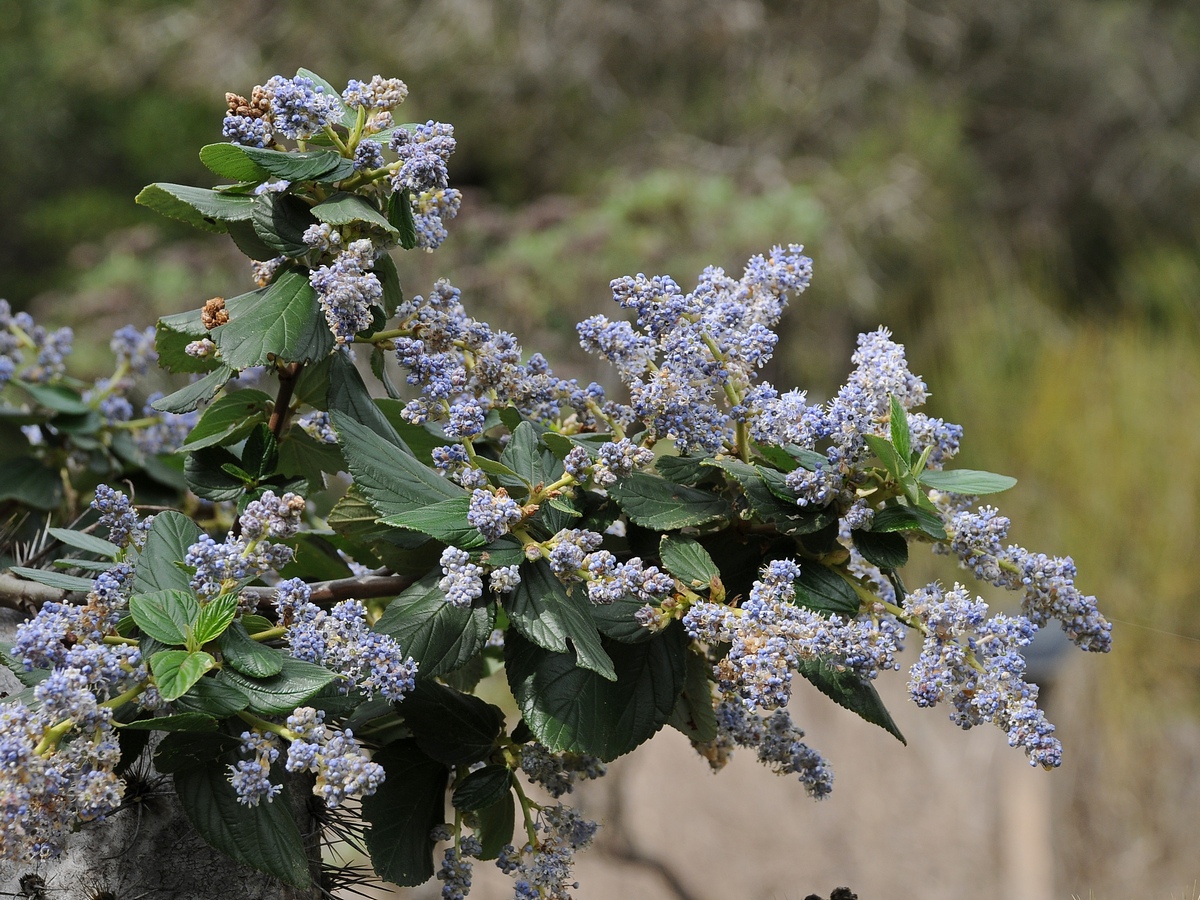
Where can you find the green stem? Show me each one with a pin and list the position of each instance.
(264, 725)
(270, 634)
(337, 141)
(526, 805)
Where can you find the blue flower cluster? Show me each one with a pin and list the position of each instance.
(342, 767)
(342, 641)
(347, 289)
(119, 517)
(1047, 582)
(976, 663)
(251, 778)
(543, 871)
(300, 107)
(29, 350)
(377, 94)
(558, 772)
(220, 566)
(462, 580)
(693, 358)
(770, 637)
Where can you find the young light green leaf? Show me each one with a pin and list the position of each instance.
(967, 481)
(901, 436)
(175, 671)
(165, 615)
(886, 453)
(214, 618)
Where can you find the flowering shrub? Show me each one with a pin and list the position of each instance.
(687, 552)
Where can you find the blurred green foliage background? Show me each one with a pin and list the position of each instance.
(1012, 188)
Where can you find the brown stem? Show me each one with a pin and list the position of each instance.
(283, 400)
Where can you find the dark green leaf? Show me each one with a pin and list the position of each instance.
(264, 837)
(259, 163)
(616, 620)
(54, 396)
(229, 419)
(303, 456)
(348, 395)
(171, 534)
(260, 456)
(27, 678)
(296, 683)
(188, 398)
(452, 727)
(177, 752)
(541, 609)
(245, 237)
(684, 558)
(175, 671)
(165, 615)
(441, 637)
(400, 216)
(766, 506)
(820, 588)
(523, 455)
(778, 457)
(89, 543)
(214, 697)
(570, 708)
(199, 207)
(286, 323)
(886, 549)
(654, 503)
(280, 221)
(187, 721)
(214, 618)
(908, 518)
(402, 813)
(482, 788)
(967, 481)
(380, 371)
(343, 208)
(207, 477)
(689, 470)
(445, 520)
(53, 579)
(30, 483)
(849, 690)
(248, 656)
(495, 825)
(394, 481)
(694, 714)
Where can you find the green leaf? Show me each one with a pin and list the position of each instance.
(495, 826)
(171, 534)
(229, 161)
(54, 396)
(967, 481)
(617, 620)
(349, 115)
(482, 788)
(198, 207)
(214, 697)
(901, 436)
(28, 679)
(654, 503)
(690, 470)
(694, 714)
(684, 558)
(286, 323)
(849, 690)
(821, 589)
(885, 549)
(248, 656)
(908, 518)
(187, 721)
(296, 683)
(400, 215)
(30, 483)
(264, 837)
(177, 752)
(543, 612)
(228, 420)
(260, 456)
(214, 618)
(452, 727)
(175, 671)
(89, 543)
(765, 505)
(280, 221)
(349, 395)
(887, 455)
(207, 476)
(393, 480)
(523, 455)
(404, 810)
(570, 708)
(53, 579)
(188, 398)
(441, 637)
(165, 615)
(343, 208)
(245, 237)
(445, 520)
(303, 456)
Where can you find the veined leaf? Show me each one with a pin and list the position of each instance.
(967, 481)
(654, 503)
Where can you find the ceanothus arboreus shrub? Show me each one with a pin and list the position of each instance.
(685, 552)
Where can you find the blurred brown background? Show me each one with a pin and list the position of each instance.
(1012, 188)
